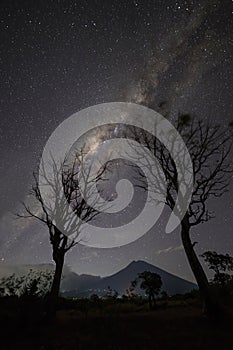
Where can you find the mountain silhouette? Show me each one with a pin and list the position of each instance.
(74, 285)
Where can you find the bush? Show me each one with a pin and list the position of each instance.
(34, 284)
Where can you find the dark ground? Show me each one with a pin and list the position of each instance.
(176, 327)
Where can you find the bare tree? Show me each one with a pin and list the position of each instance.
(209, 148)
(64, 219)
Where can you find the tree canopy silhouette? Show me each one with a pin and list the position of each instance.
(219, 263)
(151, 283)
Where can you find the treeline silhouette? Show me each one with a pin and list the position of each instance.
(25, 299)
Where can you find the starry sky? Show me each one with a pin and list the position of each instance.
(58, 57)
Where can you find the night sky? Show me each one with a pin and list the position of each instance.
(58, 57)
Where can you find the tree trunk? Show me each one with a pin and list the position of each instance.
(57, 277)
(154, 301)
(54, 293)
(211, 307)
(150, 302)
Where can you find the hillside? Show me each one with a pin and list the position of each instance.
(85, 285)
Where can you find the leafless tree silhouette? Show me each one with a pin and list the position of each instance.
(209, 148)
(64, 225)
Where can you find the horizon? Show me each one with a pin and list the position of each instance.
(71, 269)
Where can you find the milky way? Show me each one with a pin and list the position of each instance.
(60, 57)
